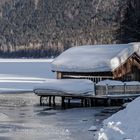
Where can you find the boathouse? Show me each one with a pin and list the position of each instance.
(99, 62)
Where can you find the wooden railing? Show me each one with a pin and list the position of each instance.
(116, 89)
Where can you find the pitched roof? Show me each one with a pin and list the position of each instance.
(94, 58)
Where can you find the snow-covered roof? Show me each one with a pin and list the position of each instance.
(59, 87)
(94, 58)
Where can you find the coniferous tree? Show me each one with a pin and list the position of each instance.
(130, 25)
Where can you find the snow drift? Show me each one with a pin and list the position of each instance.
(124, 125)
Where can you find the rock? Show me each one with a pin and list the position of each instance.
(92, 128)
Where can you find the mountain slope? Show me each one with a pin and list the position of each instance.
(39, 28)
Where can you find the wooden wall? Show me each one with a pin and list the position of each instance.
(130, 70)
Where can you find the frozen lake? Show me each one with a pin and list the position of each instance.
(23, 74)
(26, 67)
(21, 117)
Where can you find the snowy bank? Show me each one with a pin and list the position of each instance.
(124, 125)
(25, 60)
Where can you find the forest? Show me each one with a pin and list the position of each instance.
(45, 28)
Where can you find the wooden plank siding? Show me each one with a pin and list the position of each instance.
(128, 71)
(124, 70)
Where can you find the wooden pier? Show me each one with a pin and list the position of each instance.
(88, 101)
(104, 96)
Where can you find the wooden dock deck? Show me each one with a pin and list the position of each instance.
(87, 101)
(106, 95)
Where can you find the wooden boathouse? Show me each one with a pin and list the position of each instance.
(95, 63)
(99, 62)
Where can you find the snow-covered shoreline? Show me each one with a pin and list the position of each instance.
(20, 60)
(123, 125)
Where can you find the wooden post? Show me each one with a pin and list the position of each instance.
(108, 101)
(68, 102)
(53, 100)
(41, 101)
(92, 102)
(95, 89)
(82, 100)
(49, 100)
(88, 102)
(95, 101)
(124, 88)
(106, 89)
(63, 102)
(85, 102)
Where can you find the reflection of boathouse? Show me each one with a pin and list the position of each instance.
(99, 62)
